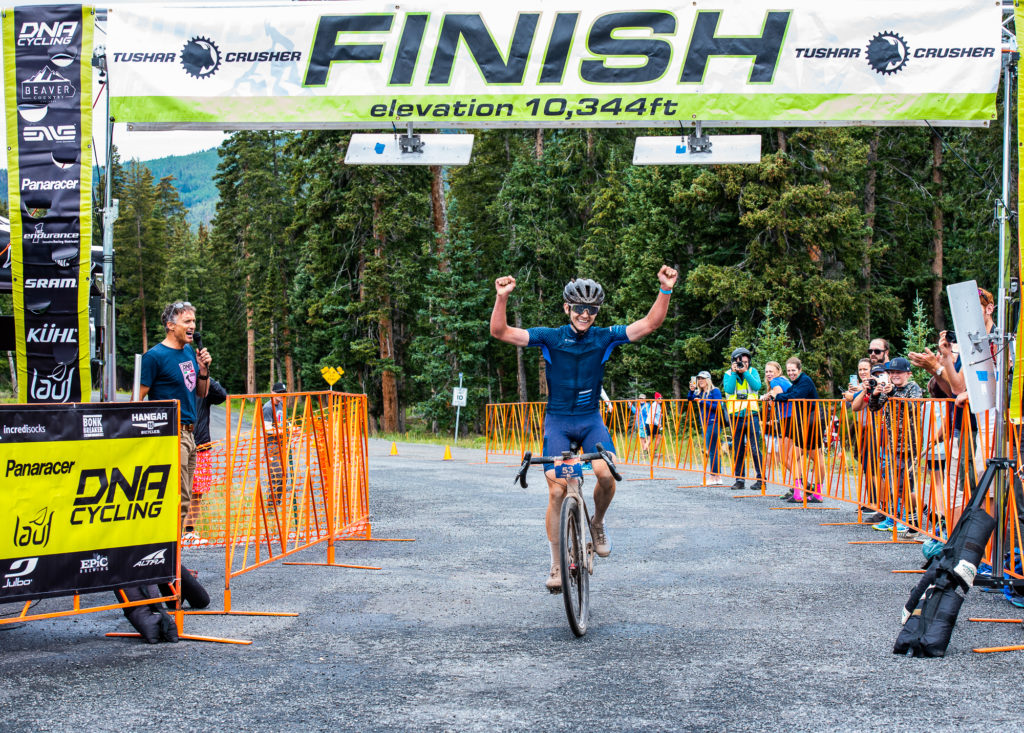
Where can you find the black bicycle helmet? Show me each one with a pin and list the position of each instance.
(737, 353)
(583, 292)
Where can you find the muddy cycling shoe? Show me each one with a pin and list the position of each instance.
(554, 581)
(602, 545)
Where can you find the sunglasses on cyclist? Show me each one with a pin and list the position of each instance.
(876, 351)
(589, 309)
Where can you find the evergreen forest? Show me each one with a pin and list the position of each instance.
(838, 235)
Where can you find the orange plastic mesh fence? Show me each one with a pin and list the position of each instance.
(913, 460)
(284, 479)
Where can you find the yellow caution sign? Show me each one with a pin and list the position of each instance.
(331, 374)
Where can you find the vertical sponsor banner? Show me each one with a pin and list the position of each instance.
(89, 498)
(1017, 386)
(48, 92)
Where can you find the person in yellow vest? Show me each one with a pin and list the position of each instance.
(740, 385)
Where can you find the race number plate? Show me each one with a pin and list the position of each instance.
(569, 470)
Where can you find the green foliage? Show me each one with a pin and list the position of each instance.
(917, 337)
(771, 341)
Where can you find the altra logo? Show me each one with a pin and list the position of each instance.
(153, 558)
(15, 576)
(47, 34)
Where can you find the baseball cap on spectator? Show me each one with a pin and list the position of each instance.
(878, 369)
(704, 375)
(278, 387)
(657, 395)
(898, 364)
(642, 396)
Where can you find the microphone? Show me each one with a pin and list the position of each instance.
(197, 339)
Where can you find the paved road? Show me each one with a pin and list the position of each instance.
(713, 613)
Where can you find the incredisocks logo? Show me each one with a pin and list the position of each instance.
(200, 57)
(888, 53)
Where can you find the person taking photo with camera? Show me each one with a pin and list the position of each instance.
(740, 385)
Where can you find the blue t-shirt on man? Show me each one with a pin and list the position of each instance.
(575, 365)
(171, 374)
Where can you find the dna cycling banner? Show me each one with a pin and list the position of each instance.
(450, 63)
(48, 90)
(89, 498)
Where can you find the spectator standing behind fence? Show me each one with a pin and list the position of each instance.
(654, 421)
(856, 398)
(709, 404)
(900, 434)
(172, 370)
(777, 428)
(202, 480)
(640, 410)
(274, 428)
(741, 385)
(807, 431)
(878, 351)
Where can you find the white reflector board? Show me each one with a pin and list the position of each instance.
(725, 149)
(384, 150)
(976, 361)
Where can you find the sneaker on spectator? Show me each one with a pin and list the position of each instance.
(787, 496)
(875, 518)
(738, 485)
(902, 528)
(759, 485)
(554, 581)
(814, 499)
(909, 533)
(884, 526)
(192, 539)
(602, 545)
(1013, 597)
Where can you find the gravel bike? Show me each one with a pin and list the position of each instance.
(576, 551)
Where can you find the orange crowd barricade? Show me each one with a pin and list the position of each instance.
(291, 474)
(914, 461)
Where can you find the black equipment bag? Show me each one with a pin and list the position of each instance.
(932, 609)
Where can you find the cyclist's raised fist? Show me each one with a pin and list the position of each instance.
(667, 276)
(505, 285)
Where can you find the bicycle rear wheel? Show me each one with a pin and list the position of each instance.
(573, 558)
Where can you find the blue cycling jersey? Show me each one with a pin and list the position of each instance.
(575, 365)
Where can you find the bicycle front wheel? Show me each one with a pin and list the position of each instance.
(573, 555)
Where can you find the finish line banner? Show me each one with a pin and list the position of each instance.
(89, 497)
(48, 94)
(450, 63)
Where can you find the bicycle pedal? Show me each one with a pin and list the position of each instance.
(555, 591)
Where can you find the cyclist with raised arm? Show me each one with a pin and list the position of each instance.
(575, 354)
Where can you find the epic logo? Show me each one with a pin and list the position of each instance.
(19, 569)
(34, 532)
(95, 498)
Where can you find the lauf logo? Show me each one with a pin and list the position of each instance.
(15, 577)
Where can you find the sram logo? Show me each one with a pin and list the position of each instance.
(50, 282)
(97, 501)
(49, 133)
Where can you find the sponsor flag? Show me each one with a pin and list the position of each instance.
(452, 63)
(48, 90)
(89, 497)
(1017, 385)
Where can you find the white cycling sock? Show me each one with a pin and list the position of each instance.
(554, 552)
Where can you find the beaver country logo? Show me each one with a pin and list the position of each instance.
(200, 57)
(888, 52)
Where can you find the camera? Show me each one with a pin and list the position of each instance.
(951, 337)
(741, 395)
(872, 383)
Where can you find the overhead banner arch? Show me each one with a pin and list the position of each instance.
(551, 63)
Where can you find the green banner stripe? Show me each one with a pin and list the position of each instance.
(14, 200)
(808, 108)
(1017, 388)
(85, 157)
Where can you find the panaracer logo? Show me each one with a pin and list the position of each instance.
(70, 184)
(35, 531)
(46, 86)
(51, 334)
(200, 57)
(92, 426)
(95, 564)
(47, 34)
(49, 133)
(149, 420)
(97, 501)
(888, 52)
(15, 577)
(153, 558)
(40, 468)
